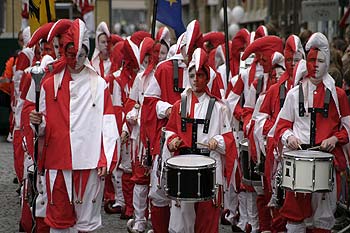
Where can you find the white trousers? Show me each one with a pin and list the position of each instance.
(182, 218)
(140, 205)
(248, 210)
(117, 184)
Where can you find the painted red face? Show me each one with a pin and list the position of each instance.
(48, 49)
(70, 55)
(266, 63)
(291, 59)
(316, 63)
(198, 80)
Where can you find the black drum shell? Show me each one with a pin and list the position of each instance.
(188, 178)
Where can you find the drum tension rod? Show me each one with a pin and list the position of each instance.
(199, 184)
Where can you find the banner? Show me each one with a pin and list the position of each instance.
(41, 12)
(169, 12)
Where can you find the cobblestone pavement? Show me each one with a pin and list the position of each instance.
(10, 206)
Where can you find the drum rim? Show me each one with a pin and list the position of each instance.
(211, 165)
(298, 190)
(322, 156)
(191, 199)
(310, 159)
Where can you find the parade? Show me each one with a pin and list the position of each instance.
(170, 128)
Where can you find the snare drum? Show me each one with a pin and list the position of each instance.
(250, 177)
(190, 178)
(307, 171)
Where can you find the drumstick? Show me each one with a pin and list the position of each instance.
(300, 147)
(202, 144)
(314, 148)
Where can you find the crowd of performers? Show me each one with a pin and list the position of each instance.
(107, 127)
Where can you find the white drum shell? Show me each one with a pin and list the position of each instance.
(307, 171)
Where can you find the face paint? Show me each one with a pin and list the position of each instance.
(266, 63)
(70, 57)
(103, 44)
(316, 64)
(291, 59)
(47, 49)
(198, 80)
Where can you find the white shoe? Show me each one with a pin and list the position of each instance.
(9, 138)
(150, 231)
(129, 226)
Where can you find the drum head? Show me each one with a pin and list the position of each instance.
(307, 154)
(190, 161)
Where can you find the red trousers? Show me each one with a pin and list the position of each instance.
(60, 212)
(160, 217)
(18, 154)
(128, 187)
(207, 217)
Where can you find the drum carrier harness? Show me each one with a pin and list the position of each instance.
(313, 111)
(176, 77)
(185, 120)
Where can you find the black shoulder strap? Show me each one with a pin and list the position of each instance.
(259, 86)
(208, 115)
(301, 101)
(183, 112)
(282, 94)
(327, 99)
(176, 76)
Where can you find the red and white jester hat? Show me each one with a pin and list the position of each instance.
(131, 54)
(260, 32)
(102, 28)
(137, 37)
(264, 46)
(214, 38)
(200, 61)
(277, 60)
(293, 45)
(193, 37)
(299, 72)
(164, 35)
(320, 42)
(59, 28)
(40, 33)
(239, 42)
(78, 34)
(146, 48)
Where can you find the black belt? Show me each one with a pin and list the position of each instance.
(197, 151)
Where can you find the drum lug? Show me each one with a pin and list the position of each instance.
(178, 183)
(199, 184)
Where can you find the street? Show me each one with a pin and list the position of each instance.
(10, 207)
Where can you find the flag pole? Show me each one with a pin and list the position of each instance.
(227, 52)
(110, 15)
(155, 5)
